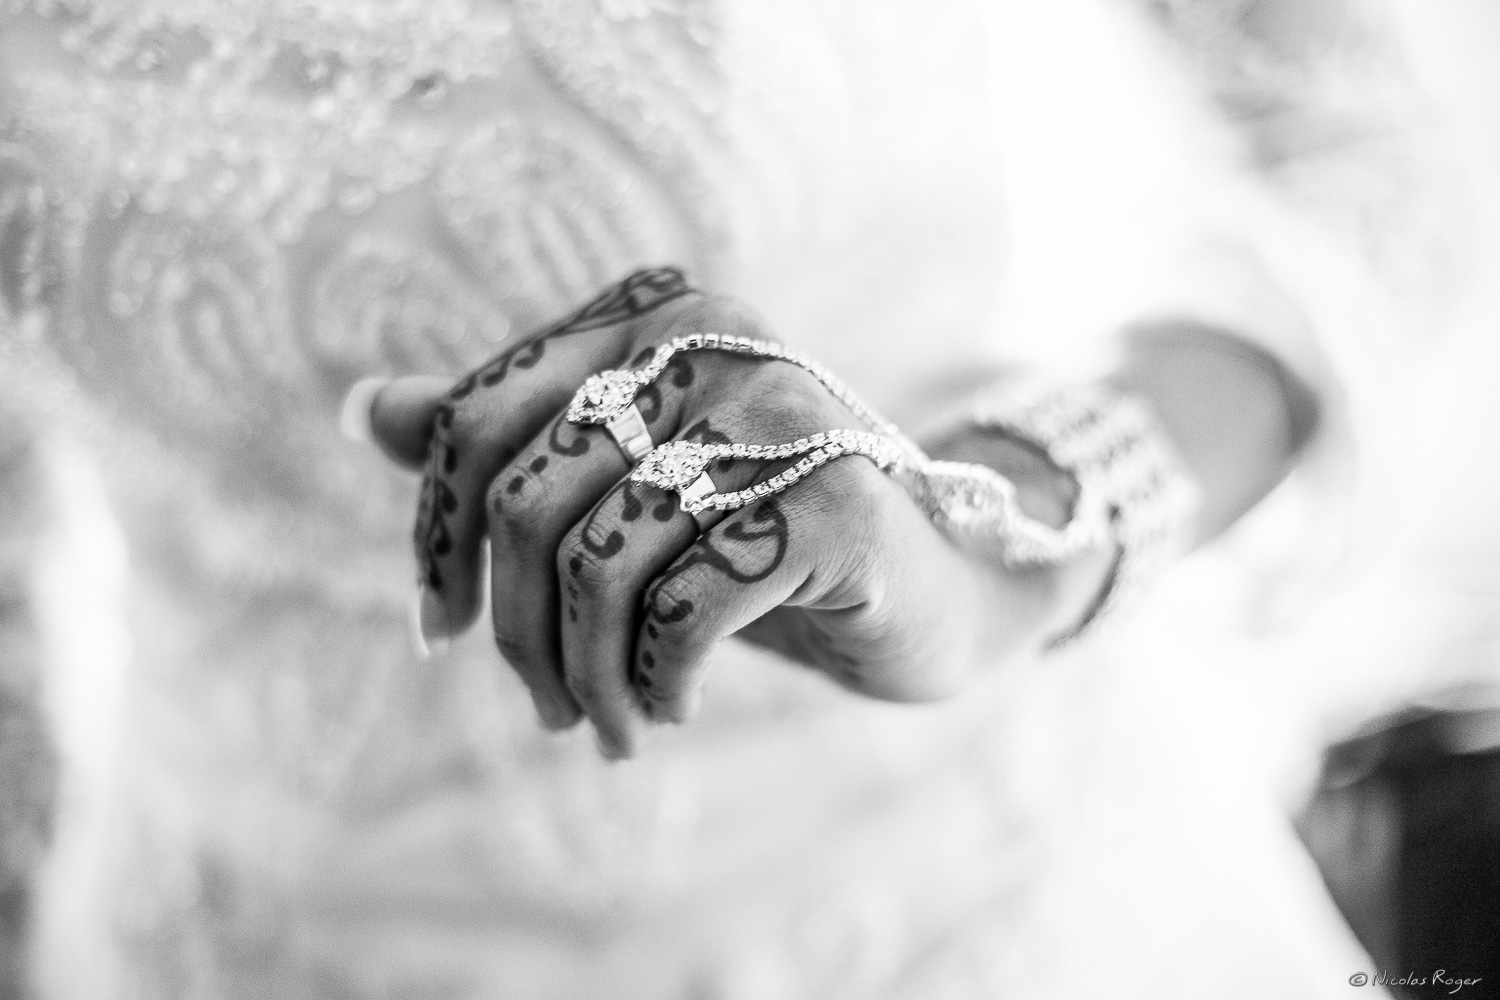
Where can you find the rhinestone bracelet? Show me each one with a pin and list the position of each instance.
(1134, 490)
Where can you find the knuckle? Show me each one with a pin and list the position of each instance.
(586, 565)
(846, 491)
(512, 503)
(738, 317)
(669, 606)
(848, 475)
(719, 314)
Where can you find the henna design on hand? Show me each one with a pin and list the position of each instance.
(635, 296)
(578, 446)
(493, 372)
(648, 400)
(767, 528)
(614, 542)
(433, 539)
(703, 433)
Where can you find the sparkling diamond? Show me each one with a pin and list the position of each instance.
(672, 466)
(608, 392)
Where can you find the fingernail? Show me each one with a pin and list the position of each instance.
(555, 714)
(354, 415)
(429, 632)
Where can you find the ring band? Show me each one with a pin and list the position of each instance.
(630, 434)
(700, 489)
(691, 496)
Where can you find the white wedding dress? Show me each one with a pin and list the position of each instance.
(218, 214)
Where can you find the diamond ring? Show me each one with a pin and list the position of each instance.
(609, 399)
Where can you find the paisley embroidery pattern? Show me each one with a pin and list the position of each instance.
(541, 217)
(380, 306)
(195, 314)
(649, 70)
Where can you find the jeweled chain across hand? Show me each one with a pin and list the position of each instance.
(607, 600)
(681, 466)
(608, 398)
(963, 496)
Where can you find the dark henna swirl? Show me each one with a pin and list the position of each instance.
(578, 446)
(767, 528)
(635, 296)
(437, 501)
(614, 542)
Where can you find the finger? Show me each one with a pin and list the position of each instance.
(845, 545)
(550, 487)
(602, 567)
(490, 415)
(532, 503)
(396, 414)
(749, 564)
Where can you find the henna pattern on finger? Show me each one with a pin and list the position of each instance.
(437, 500)
(632, 506)
(634, 296)
(648, 399)
(641, 679)
(703, 433)
(767, 527)
(493, 372)
(578, 446)
(630, 510)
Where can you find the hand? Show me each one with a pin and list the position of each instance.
(605, 596)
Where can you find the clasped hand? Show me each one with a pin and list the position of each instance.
(606, 597)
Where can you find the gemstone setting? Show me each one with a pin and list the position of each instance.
(603, 397)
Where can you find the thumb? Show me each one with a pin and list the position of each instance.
(396, 414)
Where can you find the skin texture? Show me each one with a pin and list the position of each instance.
(606, 598)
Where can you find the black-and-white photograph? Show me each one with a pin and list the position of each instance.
(749, 499)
